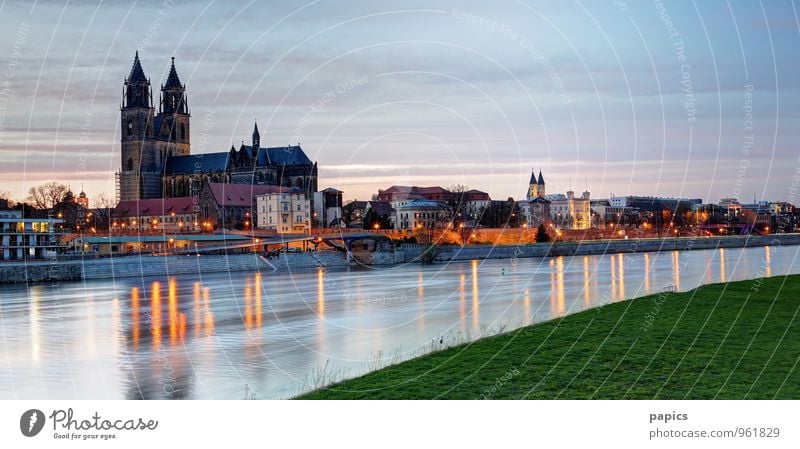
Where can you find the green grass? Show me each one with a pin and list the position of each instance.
(738, 340)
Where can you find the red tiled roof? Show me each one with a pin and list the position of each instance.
(154, 207)
(240, 194)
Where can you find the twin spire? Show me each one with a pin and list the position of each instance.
(137, 74)
(533, 181)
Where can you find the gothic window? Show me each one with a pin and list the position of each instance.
(183, 132)
(130, 164)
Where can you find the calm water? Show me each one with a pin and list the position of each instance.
(210, 336)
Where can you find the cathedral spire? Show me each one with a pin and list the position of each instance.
(136, 93)
(256, 137)
(541, 179)
(137, 74)
(172, 79)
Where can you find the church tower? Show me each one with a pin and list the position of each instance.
(536, 186)
(136, 146)
(256, 139)
(173, 118)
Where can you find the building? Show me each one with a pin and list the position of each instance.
(172, 215)
(131, 244)
(382, 214)
(231, 206)
(654, 202)
(535, 208)
(353, 213)
(284, 212)
(155, 152)
(401, 195)
(571, 212)
(82, 200)
(420, 213)
(604, 214)
(27, 238)
(475, 202)
(328, 208)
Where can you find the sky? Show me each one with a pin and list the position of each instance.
(674, 98)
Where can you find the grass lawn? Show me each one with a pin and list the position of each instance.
(739, 340)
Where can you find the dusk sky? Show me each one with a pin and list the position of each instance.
(596, 94)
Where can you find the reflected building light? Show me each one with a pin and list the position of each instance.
(135, 335)
(198, 324)
(646, 272)
(172, 307)
(35, 323)
(613, 262)
(722, 274)
(258, 296)
(526, 304)
(208, 320)
(676, 270)
(767, 261)
(586, 275)
(621, 272)
(560, 303)
(248, 308)
(475, 296)
(155, 314)
(321, 294)
(462, 300)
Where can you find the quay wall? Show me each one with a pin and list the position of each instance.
(148, 265)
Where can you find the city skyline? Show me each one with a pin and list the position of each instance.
(378, 102)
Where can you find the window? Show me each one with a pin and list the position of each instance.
(299, 208)
(129, 166)
(284, 218)
(183, 131)
(285, 207)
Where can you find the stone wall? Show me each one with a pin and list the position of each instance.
(138, 266)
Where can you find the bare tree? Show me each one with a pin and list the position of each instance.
(104, 205)
(456, 204)
(46, 196)
(5, 196)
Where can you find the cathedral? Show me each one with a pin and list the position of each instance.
(156, 159)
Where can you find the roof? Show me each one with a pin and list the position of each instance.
(153, 207)
(172, 78)
(197, 163)
(240, 194)
(556, 197)
(356, 204)
(161, 238)
(539, 200)
(291, 155)
(381, 207)
(533, 178)
(421, 204)
(541, 179)
(137, 74)
(331, 190)
(415, 192)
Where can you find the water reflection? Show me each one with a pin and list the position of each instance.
(212, 335)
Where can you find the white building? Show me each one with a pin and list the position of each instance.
(27, 238)
(569, 212)
(286, 212)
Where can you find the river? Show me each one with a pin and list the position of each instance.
(270, 335)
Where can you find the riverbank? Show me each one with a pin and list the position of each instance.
(148, 265)
(723, 341)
